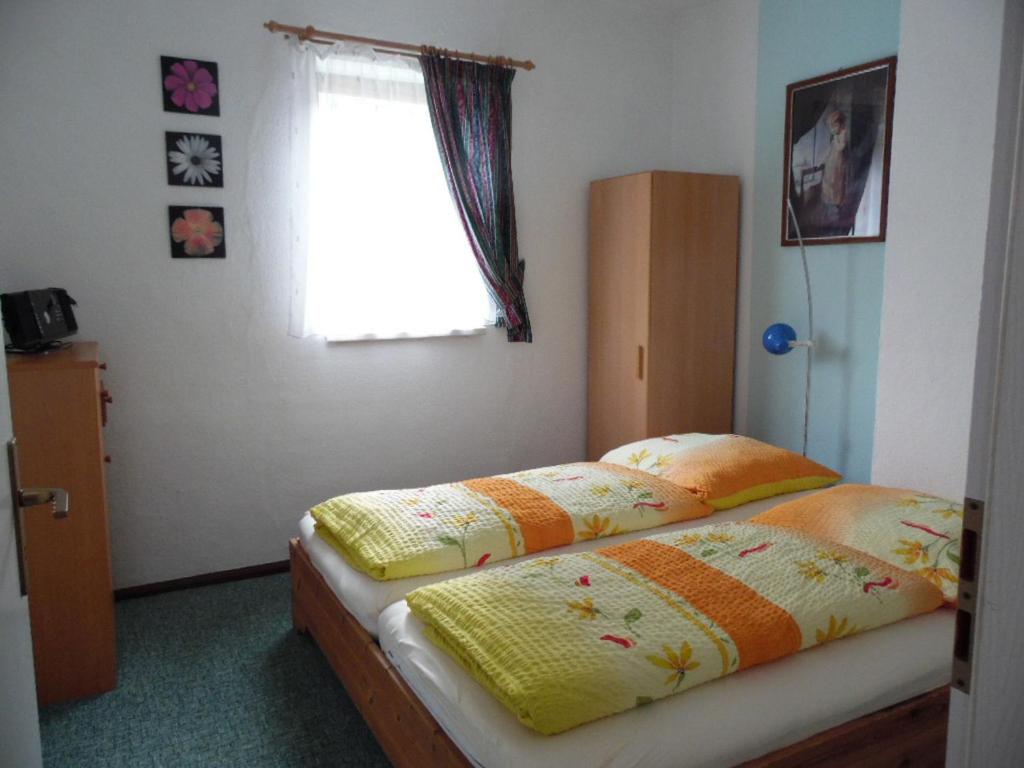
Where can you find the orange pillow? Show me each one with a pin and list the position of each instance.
(911, 530)
(724, 471)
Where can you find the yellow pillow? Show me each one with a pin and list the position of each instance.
(724, 471)
(910, 530)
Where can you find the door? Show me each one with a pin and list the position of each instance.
(985, 719)
(619, 297)
(694, 250)
(985, 722)
(19, 721)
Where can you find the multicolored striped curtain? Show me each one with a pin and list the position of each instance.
(471, 111)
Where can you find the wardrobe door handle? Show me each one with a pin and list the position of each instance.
(640, 362)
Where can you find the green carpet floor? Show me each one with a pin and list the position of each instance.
(213, 676)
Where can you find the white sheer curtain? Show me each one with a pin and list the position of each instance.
(379, 251)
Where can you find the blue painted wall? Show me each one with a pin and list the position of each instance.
(799, 39)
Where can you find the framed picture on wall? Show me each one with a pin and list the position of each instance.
(190, 86)
(197, 232)
(838, 138)
(193, 159)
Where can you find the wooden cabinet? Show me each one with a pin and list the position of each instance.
(662, 309)
(58, 405)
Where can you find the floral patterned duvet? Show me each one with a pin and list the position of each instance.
(565, 640)
(402, 533)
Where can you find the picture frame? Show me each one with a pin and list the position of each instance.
(838, 141)
(196, 231)
(190, 86)
(194, 159)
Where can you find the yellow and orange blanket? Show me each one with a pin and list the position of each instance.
(564, 640)
(402, 533)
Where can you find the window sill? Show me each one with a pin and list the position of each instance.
(408, 336)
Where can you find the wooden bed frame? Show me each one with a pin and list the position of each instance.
(911, 733)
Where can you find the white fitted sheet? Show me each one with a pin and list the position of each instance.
(721, 723)
(365, 597)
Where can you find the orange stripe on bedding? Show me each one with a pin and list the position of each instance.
(544, 524)
(761, 630)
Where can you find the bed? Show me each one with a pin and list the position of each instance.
(901, 728)
(427, 710)
(916, 661)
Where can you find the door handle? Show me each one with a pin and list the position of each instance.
(640, 362)
(24, 498)
(36, 497)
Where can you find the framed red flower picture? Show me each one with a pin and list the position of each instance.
(197, 232)
(190, 86)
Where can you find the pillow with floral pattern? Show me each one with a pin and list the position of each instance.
(908, 529)
(724, 471)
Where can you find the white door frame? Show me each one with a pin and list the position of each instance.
(985, 726)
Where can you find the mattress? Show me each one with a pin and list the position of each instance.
(721, 723)
(366, 597)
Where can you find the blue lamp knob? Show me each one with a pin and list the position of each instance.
(777, 338)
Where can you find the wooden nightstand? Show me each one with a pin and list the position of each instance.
(58, 405)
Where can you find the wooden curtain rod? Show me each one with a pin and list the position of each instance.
(314, 35)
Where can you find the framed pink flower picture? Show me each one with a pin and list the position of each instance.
(190, 86)
(197, 232)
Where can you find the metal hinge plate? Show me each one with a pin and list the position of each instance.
(967, 597)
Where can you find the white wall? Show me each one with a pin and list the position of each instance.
(223, 428)
(943, 135)
(714, 100)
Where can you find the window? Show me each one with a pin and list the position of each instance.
(387, 254)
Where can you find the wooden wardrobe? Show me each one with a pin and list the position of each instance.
(662, 309)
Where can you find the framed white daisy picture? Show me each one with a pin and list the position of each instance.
(194, 159)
